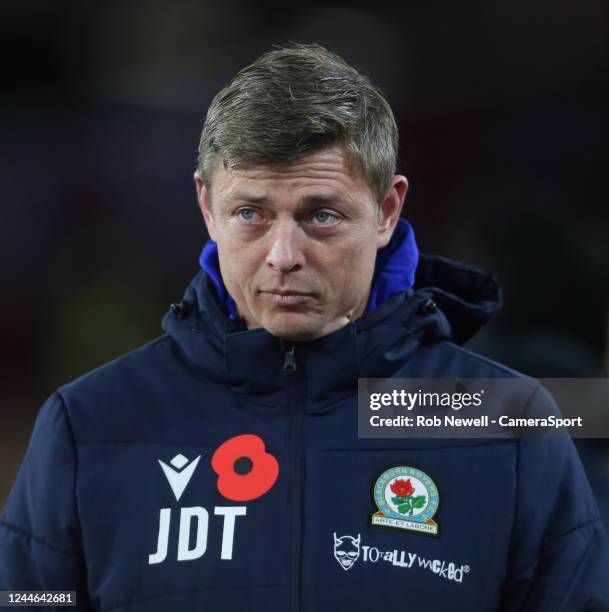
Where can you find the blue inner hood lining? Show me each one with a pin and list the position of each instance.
(394, 270)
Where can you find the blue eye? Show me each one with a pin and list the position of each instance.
(247, 214)
(323, 217)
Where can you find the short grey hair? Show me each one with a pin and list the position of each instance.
(296, 100)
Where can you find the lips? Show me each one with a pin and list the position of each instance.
(286, 298)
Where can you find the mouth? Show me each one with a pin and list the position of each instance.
(286, 298)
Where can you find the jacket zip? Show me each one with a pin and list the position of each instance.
(296, 411)
(289, 359)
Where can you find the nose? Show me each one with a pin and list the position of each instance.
(286, 251)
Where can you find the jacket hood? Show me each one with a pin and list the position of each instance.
(449, 301)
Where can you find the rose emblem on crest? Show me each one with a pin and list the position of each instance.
(404, 497)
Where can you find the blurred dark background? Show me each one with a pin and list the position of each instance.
(502, 109)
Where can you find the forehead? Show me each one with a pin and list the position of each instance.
(327, 172)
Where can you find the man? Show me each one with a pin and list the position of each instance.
(219, 467)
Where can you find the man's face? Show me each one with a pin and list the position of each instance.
(297, 243)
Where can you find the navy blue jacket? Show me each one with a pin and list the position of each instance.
(216, 469)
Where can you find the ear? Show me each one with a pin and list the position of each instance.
(390, 209)
(204, 200)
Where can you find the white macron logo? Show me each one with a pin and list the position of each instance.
(178, 475)
(194, 523)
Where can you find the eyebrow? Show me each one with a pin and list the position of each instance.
(310, 199)
(244, 197)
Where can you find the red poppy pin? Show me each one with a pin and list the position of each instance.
(245, 469)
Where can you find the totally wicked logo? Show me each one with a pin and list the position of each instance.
(346, 550)
(349, 549)
(245, 470)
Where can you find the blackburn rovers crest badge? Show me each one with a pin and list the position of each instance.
(407, 498)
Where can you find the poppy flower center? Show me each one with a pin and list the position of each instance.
(243, 466)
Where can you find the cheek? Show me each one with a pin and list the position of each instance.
(353, 271)
(230, 267)
(239, 262)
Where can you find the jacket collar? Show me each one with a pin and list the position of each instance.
(448, 301)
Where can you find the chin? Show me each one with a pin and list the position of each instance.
(294, 329)
(295, 335)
